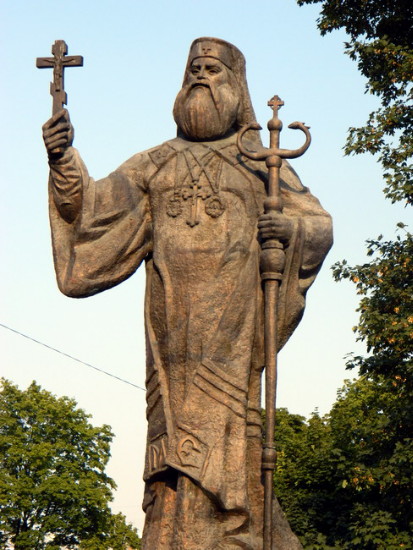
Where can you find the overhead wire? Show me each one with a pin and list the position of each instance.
(72, 357)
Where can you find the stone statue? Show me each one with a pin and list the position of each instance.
(192, 209)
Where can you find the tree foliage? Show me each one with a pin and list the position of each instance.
(120, 536)
(303, 473)
(54, 491)
(381, 41)
(383, 437)
(386, 307)
(344, 480)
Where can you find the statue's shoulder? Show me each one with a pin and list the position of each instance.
(289, 179)
(143, 165)
(155, 155)
(162, 153)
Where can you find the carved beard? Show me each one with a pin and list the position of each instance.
(205, 111)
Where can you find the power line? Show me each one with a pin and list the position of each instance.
(73, 358)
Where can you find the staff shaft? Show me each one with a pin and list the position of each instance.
(272, 262)
(270, 338)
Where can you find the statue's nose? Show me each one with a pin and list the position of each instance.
(201, 74)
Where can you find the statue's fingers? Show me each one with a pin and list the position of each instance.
(63, 142)
(58, 137)
(62, 127)
(262, 222)
(62, 114)
(55, 136)
(264, 225)
(272, 222)
(265, 217)
(268, 234)
(273, 228)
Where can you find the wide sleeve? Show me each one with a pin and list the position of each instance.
(311, 240)
(101, 230)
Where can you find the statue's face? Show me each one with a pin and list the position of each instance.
(206, 70)
(207, 105)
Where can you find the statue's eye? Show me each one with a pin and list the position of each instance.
(194, 70)
(214, 70)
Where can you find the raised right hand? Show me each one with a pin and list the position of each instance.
(58, 134)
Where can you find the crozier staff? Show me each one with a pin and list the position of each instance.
(272, 263)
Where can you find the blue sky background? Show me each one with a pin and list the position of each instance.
(120, 103)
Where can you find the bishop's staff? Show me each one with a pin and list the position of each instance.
(272, 262)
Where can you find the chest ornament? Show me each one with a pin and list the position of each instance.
(199, 182)
(174, 206)
(214, 207)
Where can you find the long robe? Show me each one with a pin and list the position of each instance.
(190, 211)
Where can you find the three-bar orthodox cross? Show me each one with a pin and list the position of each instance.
(58, 63)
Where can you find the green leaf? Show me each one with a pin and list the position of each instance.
(54, 491)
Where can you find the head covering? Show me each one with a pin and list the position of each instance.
(218, 49)
(234, 60)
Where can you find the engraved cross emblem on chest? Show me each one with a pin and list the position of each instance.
(200, 183)
(195, 191)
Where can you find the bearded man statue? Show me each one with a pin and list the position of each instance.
(192, 209)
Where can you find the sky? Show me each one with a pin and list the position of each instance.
(120, 103)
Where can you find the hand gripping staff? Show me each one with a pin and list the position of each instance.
(272, 262)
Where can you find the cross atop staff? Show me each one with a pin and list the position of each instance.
(59, 62)
(275, 103)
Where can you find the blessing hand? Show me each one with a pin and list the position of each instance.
(275, 225)
(58, 134)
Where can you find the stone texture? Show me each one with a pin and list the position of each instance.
(189, 209)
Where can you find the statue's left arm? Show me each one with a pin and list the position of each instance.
(310, 240)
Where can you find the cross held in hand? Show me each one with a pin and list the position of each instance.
(59, 62)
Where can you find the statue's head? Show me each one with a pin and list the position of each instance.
(214, 98)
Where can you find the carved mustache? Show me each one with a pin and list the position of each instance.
(212, 90)
(205, 84)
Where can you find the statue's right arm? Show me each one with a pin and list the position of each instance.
(65, 176)
(101, 230)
